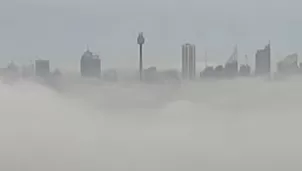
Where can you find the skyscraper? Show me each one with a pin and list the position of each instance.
(42, 68)
(263, 61)
(289, 65)
(188, 61)
(231, 66)
(90, 65)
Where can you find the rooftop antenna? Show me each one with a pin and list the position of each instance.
(246, 60)
(236, 53)
(206, 59)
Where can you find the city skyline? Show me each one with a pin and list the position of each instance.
(199, 66)
(60, 31)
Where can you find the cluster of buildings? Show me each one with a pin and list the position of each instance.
(231, 68)
(90, 67)
(40, 69)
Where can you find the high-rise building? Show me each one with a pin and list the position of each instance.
(289, 65)
(263, 61)
(231, 66)
(42, 68)
(188, 61)
(90, 65)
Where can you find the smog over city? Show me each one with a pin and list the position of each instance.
(150, 85)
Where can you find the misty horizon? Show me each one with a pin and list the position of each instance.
(61, 30)
(65, 114)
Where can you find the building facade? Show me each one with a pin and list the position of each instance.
(188, 62)
(263, 61)
(42, 68)
(245, 70)
(90, 65)
(289, 65)
(231, 66)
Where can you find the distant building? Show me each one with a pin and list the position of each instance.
(289, 65)
(110, 75)
(28, 70)
(90, 65)
(229, 70)
(11, 72)
(219, 71)
(231, 66)
(263, 61)
(245, 70)
(188, 62)
(170, 75)
(150, 74)
(208, 72)
(56, 73)
(42, 68)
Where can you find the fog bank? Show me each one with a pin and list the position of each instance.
(211, 126)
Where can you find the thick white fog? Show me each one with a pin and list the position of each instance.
(210, 126)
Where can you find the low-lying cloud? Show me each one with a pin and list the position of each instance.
(213, 126)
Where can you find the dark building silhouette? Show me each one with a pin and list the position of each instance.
(289, 65)
(231, 66)
(188, 62)
(219, 71)
(90, 65)
(208, 72)
(229, 70)
(245, 70)
(42, 68)
(211, 72)
(263, 61)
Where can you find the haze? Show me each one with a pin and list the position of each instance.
(59, 30)
(225, 125)
(230, 125)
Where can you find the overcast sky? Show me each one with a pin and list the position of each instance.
(61, 29)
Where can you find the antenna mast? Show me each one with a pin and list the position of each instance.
(246, 60)
(206, 59)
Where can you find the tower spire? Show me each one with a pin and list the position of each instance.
(206, 59)
(246, 60)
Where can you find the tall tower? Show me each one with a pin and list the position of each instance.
(188, 61)
(140, 42)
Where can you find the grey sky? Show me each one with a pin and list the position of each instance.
(61, 29)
